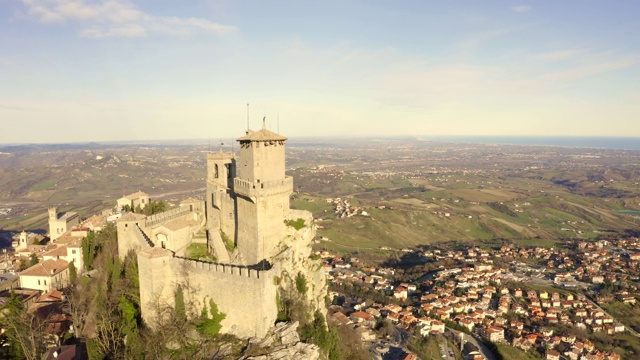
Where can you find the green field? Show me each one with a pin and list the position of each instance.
(511, 353)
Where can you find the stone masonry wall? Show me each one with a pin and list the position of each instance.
(247, 297)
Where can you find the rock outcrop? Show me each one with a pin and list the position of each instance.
(283, 344)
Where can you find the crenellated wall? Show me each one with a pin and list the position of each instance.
(168, 215)
(246, 296)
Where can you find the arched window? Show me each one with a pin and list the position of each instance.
(215, 171)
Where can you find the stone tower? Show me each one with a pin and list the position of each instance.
(23, 239)
(262, 195)
(221, 170)
(53, 214)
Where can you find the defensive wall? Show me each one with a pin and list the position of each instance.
(246, 296)
(168, 215)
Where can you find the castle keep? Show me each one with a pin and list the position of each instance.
(243, 222)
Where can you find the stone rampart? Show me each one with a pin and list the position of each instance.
(221, 268)
(248, 188)
(168, 215)
(142, 237)
(246, 296)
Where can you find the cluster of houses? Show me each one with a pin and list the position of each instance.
(470, 297)
(343, 208)
(53, 258)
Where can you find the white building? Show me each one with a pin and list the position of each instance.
(46, 275)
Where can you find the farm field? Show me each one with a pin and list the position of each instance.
(401, 194)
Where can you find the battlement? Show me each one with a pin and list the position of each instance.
(142, 237)
(241, 271)
(249, 189)
(168, 215)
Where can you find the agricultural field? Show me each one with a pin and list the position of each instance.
(401, 193)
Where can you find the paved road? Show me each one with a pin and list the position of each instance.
(445, 350)
(628, 328)
(478, 344)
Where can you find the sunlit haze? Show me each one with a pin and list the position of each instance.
(76, 71)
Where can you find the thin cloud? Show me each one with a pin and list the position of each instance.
(521, 9)
(117, 18)
(559, 55)
(589, 70)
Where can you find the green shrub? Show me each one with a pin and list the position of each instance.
(296, 224)
(228, 243)
(301, 283)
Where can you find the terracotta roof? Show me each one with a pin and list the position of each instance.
(68, 239)
(65, 352)
(262, 135)
(51, 296)
(46, 268)
(59, 251)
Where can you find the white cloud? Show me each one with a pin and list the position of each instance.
(521, 8)
(117, 18)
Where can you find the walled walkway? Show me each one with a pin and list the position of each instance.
(222, 255)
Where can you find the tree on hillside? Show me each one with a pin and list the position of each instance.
(155, 207)
(25, 331)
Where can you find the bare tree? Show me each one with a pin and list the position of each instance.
(27, 330)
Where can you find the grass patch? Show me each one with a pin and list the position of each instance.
(199, 252)
(511, 353)
(625, 313)
(228, 243)
(45, 185)
(426, 347)
(547, 243)
(296, 224)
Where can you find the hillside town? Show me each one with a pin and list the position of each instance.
(526, 297)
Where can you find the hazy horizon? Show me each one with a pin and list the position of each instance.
(597, 142)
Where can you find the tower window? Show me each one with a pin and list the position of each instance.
(215, 171)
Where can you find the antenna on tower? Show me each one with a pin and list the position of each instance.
(264, 122)
(247, 116)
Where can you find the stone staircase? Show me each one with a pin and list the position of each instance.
(222, 255)
(200, 237)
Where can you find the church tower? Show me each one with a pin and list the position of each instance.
(53, 214)
(22, 243)
(262, 195)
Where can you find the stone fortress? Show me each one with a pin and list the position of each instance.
(245, 220)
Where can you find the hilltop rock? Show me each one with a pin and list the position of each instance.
(283, 343)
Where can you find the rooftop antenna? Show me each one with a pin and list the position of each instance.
(264, 122)
(247, 116)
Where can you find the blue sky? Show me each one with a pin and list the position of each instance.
(93, 70)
